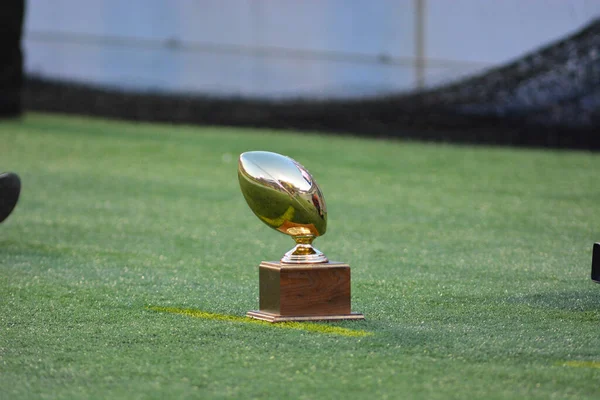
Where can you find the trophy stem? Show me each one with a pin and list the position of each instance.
(304, 252)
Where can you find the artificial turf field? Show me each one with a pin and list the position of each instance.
(131, 259)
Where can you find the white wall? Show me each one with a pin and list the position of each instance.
(284, 47)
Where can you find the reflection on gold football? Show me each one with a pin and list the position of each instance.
(282, 193)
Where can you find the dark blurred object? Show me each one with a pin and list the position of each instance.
(596, 263)
(10, 188)
(549, 98)
(11, 57)
(558, 85)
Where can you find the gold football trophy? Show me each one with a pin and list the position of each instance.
(304, 285)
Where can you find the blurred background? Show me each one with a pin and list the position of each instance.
(509, 72)
(262, 48)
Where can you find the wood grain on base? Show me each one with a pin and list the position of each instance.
(304, 290)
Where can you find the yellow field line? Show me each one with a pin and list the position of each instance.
(581, 364)
(303, 326)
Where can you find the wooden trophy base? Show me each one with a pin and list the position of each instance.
(304, 292)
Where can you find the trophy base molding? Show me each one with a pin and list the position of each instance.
(264, 316)
(304, 292)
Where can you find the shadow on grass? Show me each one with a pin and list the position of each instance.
(56, 250)
(584, 300)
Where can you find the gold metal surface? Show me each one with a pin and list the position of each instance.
(285, 196)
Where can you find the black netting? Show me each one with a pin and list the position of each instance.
(550, 97)
(557, 85)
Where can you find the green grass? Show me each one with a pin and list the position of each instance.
(471, 265)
